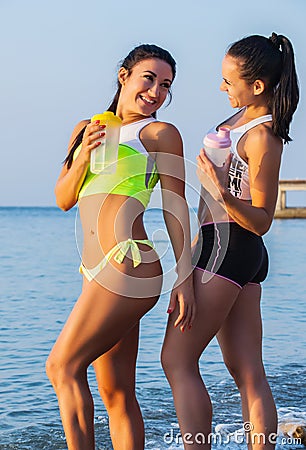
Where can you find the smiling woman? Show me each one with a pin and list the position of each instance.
(231, 261)
(239, 91)
(147, 87)
(122, 272)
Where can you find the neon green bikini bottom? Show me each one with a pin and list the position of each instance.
(119, 251)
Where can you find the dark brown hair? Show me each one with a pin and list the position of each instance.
(272, 61)
(140, 53)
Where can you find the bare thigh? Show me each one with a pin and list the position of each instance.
(240, 336)
(214, 301)
(115, 369)
(101, 317)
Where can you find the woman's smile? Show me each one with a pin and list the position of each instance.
(147, 100)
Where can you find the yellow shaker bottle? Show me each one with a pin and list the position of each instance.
(104, 157)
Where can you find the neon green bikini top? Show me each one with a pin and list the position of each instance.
(136, 173)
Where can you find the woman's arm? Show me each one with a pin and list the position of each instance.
(171, 169)
(70, 180)
(263, 151)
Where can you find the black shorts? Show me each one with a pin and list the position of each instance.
(232, 252)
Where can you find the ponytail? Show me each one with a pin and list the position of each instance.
(271, 60)
(78, 140)
(113, 106)
(286, 93)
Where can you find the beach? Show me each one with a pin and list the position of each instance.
(39, 285)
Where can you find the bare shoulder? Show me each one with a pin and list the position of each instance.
(163, 137)
(262, 141)
(79, 126)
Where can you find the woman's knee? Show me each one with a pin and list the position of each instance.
(246, 375)
(59, 372)
(167, 360)
(176, 366)
(53, 370)
(117, 398)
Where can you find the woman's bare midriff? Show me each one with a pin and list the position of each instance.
(108, 219)
(214, 211)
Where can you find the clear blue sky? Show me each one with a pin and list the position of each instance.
(59, 62)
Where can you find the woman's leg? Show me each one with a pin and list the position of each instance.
(181, 352)
(240, 339)
(97, 322)
(115, 372)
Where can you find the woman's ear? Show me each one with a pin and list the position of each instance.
(122, 75)
(259, 87)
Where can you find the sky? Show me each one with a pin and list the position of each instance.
(59, 62)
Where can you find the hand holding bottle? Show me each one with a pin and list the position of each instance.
(104, 156)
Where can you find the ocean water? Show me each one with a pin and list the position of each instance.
(39, 284)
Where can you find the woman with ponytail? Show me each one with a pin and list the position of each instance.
(236, 208)
(122, 274)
